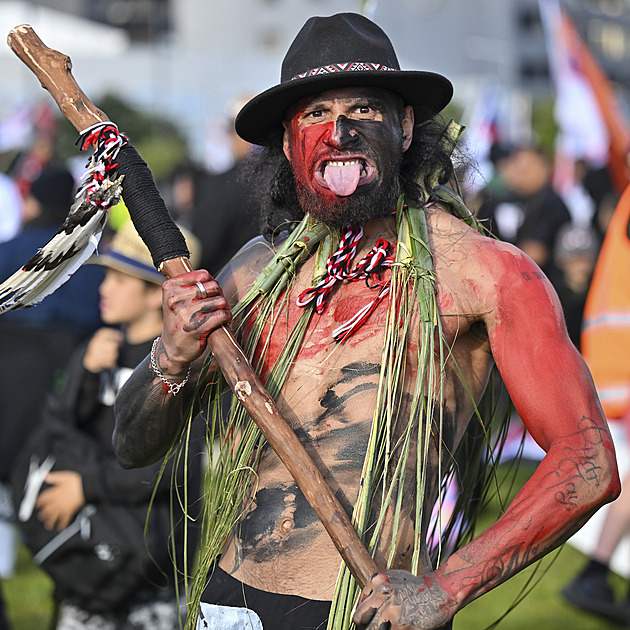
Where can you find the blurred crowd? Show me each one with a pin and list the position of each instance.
(69, 355)
(561, 233)
(580, 238)
(52, 372)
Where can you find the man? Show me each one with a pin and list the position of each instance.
(533, 214)
(345, 117)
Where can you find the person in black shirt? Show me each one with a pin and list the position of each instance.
(131, 308)
(531, 215)
(227, 209)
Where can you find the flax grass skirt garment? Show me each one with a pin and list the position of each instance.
(277, 612)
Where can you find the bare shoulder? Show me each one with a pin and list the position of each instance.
(244, 267)
(454, 243)
(486, 274)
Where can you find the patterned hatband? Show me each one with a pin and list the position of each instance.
(350, 66)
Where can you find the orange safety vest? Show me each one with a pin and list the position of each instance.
(605, 340)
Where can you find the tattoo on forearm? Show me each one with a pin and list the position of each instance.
(578, 466)
(496, 569)
(162, 359)
(145, 425)
(526, 537)
(567, 497)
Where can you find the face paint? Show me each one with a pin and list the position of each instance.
(307, 143)
(342, 176)
(346, 169)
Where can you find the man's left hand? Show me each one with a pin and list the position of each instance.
(58, 504)
(398, 600)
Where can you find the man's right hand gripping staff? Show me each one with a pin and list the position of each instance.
(193, 306)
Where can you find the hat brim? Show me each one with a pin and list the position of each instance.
(119, 264)
(429, 93)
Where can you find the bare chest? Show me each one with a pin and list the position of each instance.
(329, 393)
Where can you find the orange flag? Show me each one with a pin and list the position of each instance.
(591, 124)
(617, 126)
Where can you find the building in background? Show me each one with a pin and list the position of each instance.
(186, 58)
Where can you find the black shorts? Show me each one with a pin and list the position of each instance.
(276, 611)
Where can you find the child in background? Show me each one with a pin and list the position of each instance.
(131, 308)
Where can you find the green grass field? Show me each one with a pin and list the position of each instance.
(28, 595)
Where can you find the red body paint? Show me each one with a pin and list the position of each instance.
(551, 388)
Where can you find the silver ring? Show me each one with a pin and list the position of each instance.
(202, 290)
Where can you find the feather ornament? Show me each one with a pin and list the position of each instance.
(78, 237)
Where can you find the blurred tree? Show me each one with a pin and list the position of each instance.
(543, 124)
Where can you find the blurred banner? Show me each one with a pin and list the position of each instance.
(591, 126)
(482, 132)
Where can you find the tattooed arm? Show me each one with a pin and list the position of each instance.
(148, 417)
(555, 397)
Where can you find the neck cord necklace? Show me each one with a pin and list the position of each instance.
(338, 268)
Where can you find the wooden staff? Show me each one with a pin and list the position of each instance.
(53, 69)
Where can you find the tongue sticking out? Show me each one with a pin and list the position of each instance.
(343, 180)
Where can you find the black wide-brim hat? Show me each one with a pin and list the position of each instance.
(343, 50)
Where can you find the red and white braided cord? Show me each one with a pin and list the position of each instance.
(338, 268)
(107, 141)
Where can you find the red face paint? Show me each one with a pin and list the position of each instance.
(358, 127)
(308, 150)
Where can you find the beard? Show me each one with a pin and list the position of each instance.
(368, 202)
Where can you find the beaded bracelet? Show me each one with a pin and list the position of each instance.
(170, 387)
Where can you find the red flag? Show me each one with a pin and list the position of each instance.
(587, 111)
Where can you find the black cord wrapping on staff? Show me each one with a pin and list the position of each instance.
(148, 211)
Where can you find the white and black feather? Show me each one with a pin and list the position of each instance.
(73, 243)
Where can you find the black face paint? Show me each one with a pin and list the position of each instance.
(375, 199)
(377, 142)
(345, 135)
